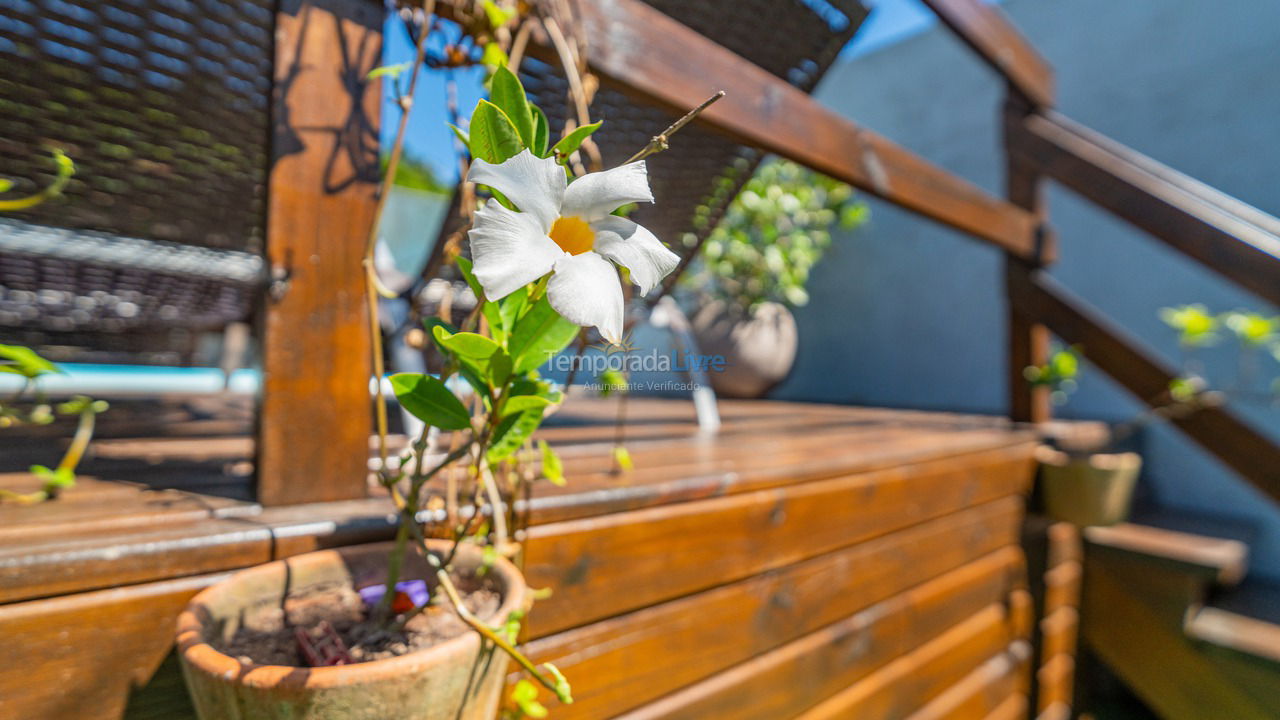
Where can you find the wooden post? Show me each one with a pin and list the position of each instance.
(314, 424)
(1028, 339)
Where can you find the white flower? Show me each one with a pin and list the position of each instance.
(566, 228)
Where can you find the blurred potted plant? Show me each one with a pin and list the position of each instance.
(755, 266)
(28, 405)
(1086, 479)
(21, 410)
(381, 631)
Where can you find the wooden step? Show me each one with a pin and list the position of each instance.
(1245, 618)
(1167, 537)
(1167, 609)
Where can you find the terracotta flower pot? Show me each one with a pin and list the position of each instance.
(454, 680)
(1093, 489)
(759, 349)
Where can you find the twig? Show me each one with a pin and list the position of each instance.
(455, 599)
(659, 142)
(372, 283)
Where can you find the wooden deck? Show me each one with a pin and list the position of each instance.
(807, 560)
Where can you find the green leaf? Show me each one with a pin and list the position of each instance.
(497, 16)
(552, 468)
(392, 71)
(571, 142)
(541, 131)
(520, 403)
(512, 306)
(623, 458)
(462, 136)
(55, 480)
(1250, 328)
(6, 185)
(25, 362)
(511, 433)
(612, 382)
(494, 138)
(491, 313)
(1195, 325)
(525, 697)
(466, 344)
(562, 684)
(427, 399)
(539, 335)
(480, 359)
(499, 368)
(494, 56)
(508, 94)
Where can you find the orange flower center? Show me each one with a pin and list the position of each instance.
(573, 235)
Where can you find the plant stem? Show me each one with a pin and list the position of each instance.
(371, 273)
(455, 599)
(79, 443)
(409, 520)
(659, 142)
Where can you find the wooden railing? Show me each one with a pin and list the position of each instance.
(646, 53)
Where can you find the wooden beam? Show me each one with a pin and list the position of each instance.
(987, 30)
(1245, 450)
(1239, 242)
(315, 422)
(651, 55)
(1028, 340)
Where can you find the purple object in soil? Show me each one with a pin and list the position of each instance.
(415, 589)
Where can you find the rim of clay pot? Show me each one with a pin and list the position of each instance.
(200, 655)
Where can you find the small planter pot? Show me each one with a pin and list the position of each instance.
(454, 680)
(1092, 489)
(759, 349)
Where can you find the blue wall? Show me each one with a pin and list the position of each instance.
(906, 313)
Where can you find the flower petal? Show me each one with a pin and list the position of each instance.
(595, 195)
(585, 290)
(536, 185)
(635, 248)
(509, 249)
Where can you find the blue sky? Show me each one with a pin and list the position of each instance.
(429, 137)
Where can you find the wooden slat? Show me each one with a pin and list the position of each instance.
(1064, 544)
(981, 692)
(1014, 708)
(1059, 630)
(920, 675)
(1227, 236)
(315, 418)
(1055, 682)
(137, 550)
(1062, 588)
(603, 566)
(986, 29)
(1111, 349)
(648, 53)
(625, 661)
(964, 607)
(79, 656)
(55, 567)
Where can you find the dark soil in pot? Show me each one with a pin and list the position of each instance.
(266, 635)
